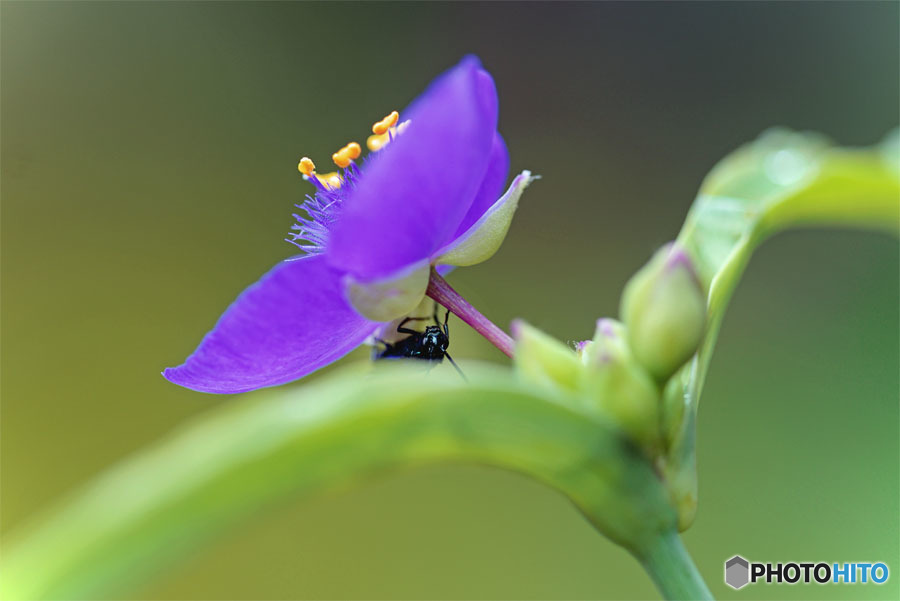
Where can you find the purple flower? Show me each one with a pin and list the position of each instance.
(370, 236)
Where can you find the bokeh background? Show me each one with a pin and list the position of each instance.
(148, 173)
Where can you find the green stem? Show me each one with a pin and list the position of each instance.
(245, 456)
(673, 570)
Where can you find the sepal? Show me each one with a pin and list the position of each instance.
(391, 297)
(484, 237)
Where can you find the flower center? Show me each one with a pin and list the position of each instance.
(322, 208)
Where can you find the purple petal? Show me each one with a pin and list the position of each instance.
(290, 323)
(491, 185)
(413, 195)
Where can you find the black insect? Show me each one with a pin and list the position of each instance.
(430, 345)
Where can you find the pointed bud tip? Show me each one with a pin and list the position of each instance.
(607, 327)
(678, 259)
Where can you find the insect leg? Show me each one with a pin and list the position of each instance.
(403, 330)
(453, 363)
(387, 346)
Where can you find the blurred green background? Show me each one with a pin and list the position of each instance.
(148, 173)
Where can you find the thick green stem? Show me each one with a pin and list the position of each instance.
(247, 455)
(673, 571)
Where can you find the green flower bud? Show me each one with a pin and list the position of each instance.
(664, 310)
(544, 360)
(620, 387)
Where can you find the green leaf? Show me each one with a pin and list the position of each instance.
(266, 448)
(782, 180)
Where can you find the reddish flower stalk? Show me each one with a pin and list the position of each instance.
(440, 290)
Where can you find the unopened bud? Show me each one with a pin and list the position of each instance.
(620, 387)
(544, 360)
(581, 347)
(664, 310)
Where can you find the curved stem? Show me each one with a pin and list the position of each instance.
(245, 456)
(440, 290)
(673, 571)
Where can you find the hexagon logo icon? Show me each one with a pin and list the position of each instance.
(737, 572)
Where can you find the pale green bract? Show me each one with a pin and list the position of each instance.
(783, 179)
(252, 451)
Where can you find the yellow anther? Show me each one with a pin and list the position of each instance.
(332, 180)
(381, 127)
(306, 166)
(377, 142)
(346, 154)
(341, 159)
(353, 150)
